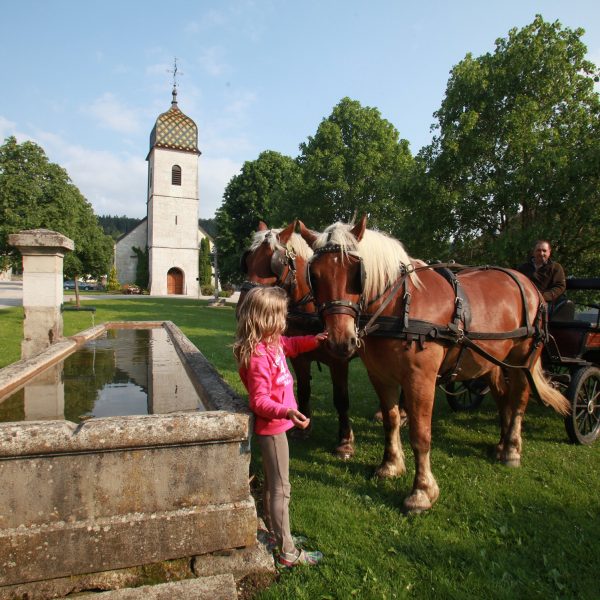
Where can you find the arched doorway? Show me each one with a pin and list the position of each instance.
(175, 281)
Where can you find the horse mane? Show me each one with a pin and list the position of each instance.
(383, 256)
(296, 243)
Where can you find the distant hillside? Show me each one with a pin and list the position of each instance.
(117, 226)
(210, 226)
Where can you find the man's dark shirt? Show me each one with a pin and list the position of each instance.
(549, 279)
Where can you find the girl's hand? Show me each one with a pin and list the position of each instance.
(322, 336)
(300, 421)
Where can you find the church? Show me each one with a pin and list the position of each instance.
(170, 229)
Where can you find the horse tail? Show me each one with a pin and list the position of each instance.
(549, 394)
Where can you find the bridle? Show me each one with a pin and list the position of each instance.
(283, 267)
(344, 307)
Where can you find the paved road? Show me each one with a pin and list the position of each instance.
(11, 294)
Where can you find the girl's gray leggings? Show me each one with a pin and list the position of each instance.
(276, 491)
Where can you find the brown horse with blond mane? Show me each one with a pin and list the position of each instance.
(432, 326)
(278, 257)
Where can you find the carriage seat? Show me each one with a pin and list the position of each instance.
(563, 310)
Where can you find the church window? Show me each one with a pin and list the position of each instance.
(176, 175)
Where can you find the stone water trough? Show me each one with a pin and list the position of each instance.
(120, 491)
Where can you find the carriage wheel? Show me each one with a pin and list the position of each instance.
(465, 395)
(583, 424)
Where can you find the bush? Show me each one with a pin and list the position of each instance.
(113, 284)
(225, 293)
(207, 290)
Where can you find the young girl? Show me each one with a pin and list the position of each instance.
(260, 350)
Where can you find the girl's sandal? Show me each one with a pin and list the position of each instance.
(303, 558)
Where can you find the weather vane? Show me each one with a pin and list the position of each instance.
(174, 70)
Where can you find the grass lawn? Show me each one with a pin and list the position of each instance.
(495, 532)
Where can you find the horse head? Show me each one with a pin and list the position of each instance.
(336, 277)
(277, 257)
(351, 269)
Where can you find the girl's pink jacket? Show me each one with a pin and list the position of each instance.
(270, 384)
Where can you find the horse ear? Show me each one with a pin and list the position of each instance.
(262, 226)
(359, 229)
(307, 235)
(285, 234)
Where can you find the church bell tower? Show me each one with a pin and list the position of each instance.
(173, 204)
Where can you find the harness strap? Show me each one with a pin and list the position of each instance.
(496, 361)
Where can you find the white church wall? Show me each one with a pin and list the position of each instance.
(125, 257)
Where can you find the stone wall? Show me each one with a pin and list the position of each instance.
(117, 492)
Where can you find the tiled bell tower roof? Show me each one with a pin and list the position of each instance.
(174, 130)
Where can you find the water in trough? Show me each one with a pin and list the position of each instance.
(122, 372)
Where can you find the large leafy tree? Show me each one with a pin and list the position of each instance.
(517, 151)
(355, 163)
(257, 193)
(35, 193)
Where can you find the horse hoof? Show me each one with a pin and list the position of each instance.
(512, 461)
(378, 417)
(417, 503)
(387, 471)
(345, 451)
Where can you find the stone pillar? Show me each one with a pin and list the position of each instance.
(43, 252)
(44, 396)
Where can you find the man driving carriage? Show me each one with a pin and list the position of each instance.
(548, 276)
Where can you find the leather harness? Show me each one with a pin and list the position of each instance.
(456, 332)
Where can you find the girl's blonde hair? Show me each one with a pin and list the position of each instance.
(261, 318)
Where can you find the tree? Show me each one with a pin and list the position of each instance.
(35, 193)
(257, 193)
(142, 267)
(204, 267)
(117, 226)
(517, 153)
(355, 163)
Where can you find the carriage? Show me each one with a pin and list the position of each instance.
(571, 359)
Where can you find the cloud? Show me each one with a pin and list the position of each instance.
(113, 184)
(7, 128)
(111, 114)
(213, 177)
(211, 61)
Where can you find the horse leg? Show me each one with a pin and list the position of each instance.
(500, 393)
(341, 401)
(518, 389)
(392, 464)
(378, 416)
(419, 397)
(301, 368)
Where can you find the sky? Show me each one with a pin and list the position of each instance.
(86, 80)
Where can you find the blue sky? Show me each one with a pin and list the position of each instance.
(87, 79)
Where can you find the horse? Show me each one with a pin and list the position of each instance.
(434, 326)
(278, 257)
